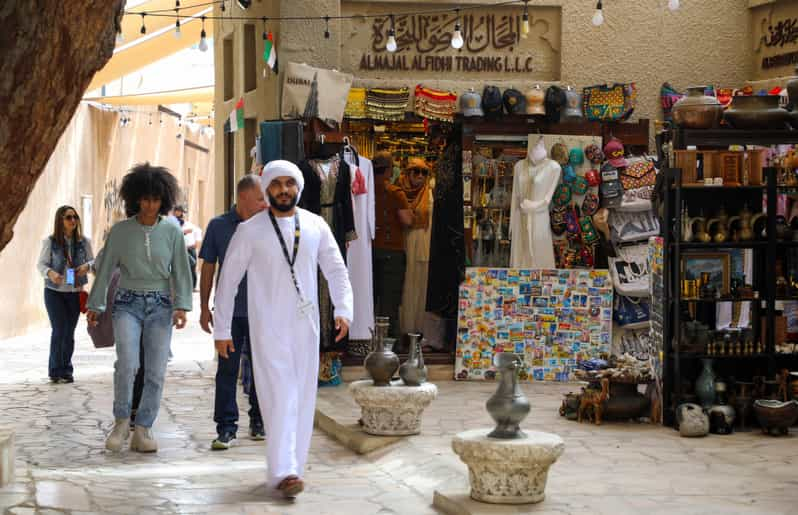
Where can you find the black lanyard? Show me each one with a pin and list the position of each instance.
(290, 259)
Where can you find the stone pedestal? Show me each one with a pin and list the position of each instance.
(392, 410)
(508, 471)
(6, 456)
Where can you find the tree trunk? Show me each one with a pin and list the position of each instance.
(50, 50)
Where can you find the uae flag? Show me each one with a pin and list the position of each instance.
(270, 54)
(237, 116)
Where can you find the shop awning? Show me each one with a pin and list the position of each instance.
(140, 50)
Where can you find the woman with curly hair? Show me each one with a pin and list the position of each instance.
(154, 294)
(64, 261)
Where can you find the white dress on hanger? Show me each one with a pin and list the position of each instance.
(358, 255)
(533, 188)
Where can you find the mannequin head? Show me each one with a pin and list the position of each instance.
(536, 149)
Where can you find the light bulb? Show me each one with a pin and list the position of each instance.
(525, 26)
(203, 44)
(673, 4)
(457, 38)
(598, 18)
(177, 30)
(391, 46)
(120, 38)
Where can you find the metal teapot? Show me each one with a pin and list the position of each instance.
(722, 223)
(700, 230)
(746, 221)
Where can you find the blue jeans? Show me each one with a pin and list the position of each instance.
(142, 321)
(63, 309)
(225, 410)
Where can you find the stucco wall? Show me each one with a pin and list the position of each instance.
(641, 41)
(92, 156)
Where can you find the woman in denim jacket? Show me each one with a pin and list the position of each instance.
(154, 294)
(64, 262)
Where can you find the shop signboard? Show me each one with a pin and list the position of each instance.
(775, 39)
(493, 43)
(553, 318)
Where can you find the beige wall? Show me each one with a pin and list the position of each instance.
(92, 156)
(641, 40)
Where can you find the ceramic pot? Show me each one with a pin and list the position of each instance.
(705, 385)
(508, 406)
(721, 415)
(697, 110)
(625, 402)
(776, 417)
(757, 112)
(692, 420)
(413, 372)
(381, 363)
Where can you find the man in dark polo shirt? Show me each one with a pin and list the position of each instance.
(393, 215)
(220, 230)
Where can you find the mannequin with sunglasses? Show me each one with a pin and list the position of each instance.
(64, 262)
(415, 182)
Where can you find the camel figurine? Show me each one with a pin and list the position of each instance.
(594, 399)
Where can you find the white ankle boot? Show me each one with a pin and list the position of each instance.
(119, 435)
(143, 440)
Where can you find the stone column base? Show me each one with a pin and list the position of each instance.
(508, 471)
(6, 456)
(392, 410)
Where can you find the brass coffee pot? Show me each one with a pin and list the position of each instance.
(698, 225)
(722, 222)
(746, 221)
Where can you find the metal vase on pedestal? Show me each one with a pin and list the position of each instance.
(413, 372)
(508, 406)
(381, 364)
(705, 385)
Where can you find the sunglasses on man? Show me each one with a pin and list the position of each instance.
(71, 217)
(419, 171)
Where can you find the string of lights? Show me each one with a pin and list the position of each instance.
(391, 45)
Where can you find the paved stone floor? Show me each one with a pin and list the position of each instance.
(62, 466)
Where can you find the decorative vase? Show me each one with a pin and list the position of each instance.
(705, 385)
(757, 112)
(776, 417)
(413, 372)
(692, 420)
(508, 406)
(721, 415)
(697, 110)
(381, 363)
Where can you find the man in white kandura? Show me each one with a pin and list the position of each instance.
(281, 250)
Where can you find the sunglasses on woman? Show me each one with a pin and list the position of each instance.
(71, 217)
(419, 171)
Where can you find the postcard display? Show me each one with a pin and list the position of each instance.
(555, 318)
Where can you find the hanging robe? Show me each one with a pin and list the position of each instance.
(531, 239)
(284, 343)
(359, 253)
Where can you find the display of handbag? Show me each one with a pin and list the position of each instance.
(630, 270)
(630, 311)
(356, 104)
(310, 92)
(434, 104)
(102, 334)
(639, 174)
(603, 103)
(387, 104)
(626, 226)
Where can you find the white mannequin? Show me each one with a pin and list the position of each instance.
(535, 180)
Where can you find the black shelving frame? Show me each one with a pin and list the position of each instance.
(674, 246)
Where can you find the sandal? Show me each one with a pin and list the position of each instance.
(291, 486)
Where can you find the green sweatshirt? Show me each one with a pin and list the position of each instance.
(164, 268)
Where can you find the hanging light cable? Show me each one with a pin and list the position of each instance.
(525, 21)
(391, 45)
(598, 17)
(457, 37)
(327, 27)
(177, 24)
(143, 28)
(203, 44)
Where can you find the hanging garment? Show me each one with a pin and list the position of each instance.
(447, 245)
(359, 252)
(328, 194)
(284, 340)
(531, 239)
(417, 247)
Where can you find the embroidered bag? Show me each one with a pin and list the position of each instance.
(580, 185)
(387, 104)
(356, 104)
(562, 195)
(434, 104)
(628, 311)
(589, 235)
(590, 204)
(558, 224)
(609, 103)
(638, 174)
